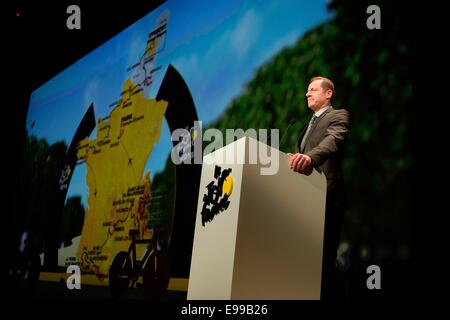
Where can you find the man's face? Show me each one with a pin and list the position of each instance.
(317, 96)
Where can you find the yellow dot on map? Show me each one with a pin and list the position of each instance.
(227, 187)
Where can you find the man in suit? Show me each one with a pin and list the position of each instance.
(320, 146)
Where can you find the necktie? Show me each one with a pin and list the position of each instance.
(305, 136)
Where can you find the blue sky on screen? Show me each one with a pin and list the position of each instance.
(215, 45)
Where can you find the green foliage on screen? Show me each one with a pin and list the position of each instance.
(370, 70)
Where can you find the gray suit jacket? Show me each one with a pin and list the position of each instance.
(325, 145)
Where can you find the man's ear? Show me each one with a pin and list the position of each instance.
(328, 94)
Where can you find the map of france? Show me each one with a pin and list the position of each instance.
(118, 188)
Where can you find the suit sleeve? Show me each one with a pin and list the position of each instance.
(334, 138)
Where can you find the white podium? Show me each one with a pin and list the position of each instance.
(267, 243)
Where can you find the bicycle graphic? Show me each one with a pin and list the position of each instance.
(126, 269)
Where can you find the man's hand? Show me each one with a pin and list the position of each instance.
(300, 163)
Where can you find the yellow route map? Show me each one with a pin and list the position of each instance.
(119, 191)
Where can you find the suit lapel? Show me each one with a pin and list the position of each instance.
(300, 136)
(318, 120)
(302, 132)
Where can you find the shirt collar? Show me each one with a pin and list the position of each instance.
(322, 110)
